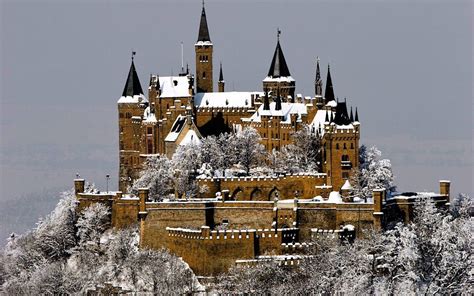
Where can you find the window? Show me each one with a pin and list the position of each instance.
(121, 129)
(345, 146)
(337, 146)
(345, 175)
(345, 158)
(352, 145)
(121, 145)
(121, 115)
(149, 130)
(149, 146)
(203, 75)
(128, 115)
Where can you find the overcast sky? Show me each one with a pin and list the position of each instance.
(407, 65)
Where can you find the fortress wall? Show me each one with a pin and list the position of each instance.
(332, 215)
(244, 215)
(211, 252)
(162, 215)
(264, 188)
(125, 212)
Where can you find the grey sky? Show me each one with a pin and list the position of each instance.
(406, 65)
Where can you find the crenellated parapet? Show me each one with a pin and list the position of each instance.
(302, 185)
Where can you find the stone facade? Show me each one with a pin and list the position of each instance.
(213, 234)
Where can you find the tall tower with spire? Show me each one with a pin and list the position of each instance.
(279, 77)
(221, 82)
(131, 106)
(318, 86)
(203, 49)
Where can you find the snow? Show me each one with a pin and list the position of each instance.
(176, 129)
(131, 100)
(190, 138)
(286, 110)
(320, 118)
(332, 104)
(225, 99)
(174, 86)
(149, 117)
(346, 186)
(278, 79)
(334, 197)
(201, 43)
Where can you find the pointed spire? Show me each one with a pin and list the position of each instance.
(221, 76)
(278, 100)
(356, 116)
(132, 86)
(278, 68)
(203, 30)
(318, 72)
(351, 116)
(266, 102)
(329, 93)
(158, 85)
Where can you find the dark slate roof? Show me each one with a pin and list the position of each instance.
(203, 30)
(342, 118)
(329, 93)
(132, 86)
(278, 68)
(221, 76)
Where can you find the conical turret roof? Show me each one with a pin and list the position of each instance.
(203, 29)
(278, 68)
(132, 86)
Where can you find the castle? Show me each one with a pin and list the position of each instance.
(182, 109)
(243, 219)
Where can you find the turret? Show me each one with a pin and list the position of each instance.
(221, 82)
(279, 75)
(329, 93)
(318, 86)
(203, 49)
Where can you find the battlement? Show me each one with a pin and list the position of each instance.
(230, 109)
(206, 234)
(263, 178)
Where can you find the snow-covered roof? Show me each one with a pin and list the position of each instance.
(320, 118)
(331, 103)
(200, 43)
(190, 138)
(132, 99)
(174, 86)
(148, 116)
(346, 186)
(176, 129)
(334, 197)
(224, 99)
(286, 110)
(278, 79)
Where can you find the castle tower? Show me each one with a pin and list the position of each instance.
(341, 145)
(318, 86)
(131, 106)
(279, 76)
(203, 49)
(221, 82)
(329, 93)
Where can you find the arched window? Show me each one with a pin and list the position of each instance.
(337, 146)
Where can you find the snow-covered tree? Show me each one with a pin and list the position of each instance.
(92, 223)
(185, 165)
(373, 173)
(250, 153)
(157, 176)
